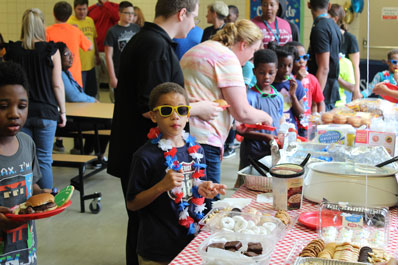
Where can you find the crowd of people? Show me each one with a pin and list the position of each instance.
(163, 74)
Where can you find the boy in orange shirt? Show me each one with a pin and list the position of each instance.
(70, 35)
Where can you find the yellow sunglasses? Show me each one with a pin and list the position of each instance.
(167, 110)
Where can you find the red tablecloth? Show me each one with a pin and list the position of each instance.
(189, 255)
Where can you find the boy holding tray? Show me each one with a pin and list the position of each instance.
(19, 170)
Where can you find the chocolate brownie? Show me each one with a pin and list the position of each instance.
(255, 247)
(233, 245)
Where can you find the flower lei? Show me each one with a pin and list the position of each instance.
(172, 163)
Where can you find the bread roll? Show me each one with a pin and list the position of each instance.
(221, 102)
(354, 121)
(339, 119)
(327, 117)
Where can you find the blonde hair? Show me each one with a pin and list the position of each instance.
(140, 16)
(242, 30)
(32, 28)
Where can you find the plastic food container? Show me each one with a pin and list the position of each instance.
(316, 261)
(262, 224)
(225, 257)
(363, 226)
(342, 222)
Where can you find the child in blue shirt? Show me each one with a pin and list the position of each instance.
(262, 96)
(291, 89)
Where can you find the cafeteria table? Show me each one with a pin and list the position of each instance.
(299, 233)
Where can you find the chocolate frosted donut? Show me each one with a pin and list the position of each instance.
(364, 254)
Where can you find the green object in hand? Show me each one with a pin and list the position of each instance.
(288, 77)
(64, 195)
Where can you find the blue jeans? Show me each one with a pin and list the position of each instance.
(42, 132)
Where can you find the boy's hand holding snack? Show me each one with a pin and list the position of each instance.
(5, 223)
(171, 180)
(292, 87)
(209, 189)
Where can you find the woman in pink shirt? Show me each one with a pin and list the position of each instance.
(274, 28)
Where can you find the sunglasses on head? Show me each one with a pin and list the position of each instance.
(304, 57)
(167, 110)
(394, 62)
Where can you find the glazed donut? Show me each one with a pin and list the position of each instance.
(263, 230)
(247, 232)
(250, 224)
(228, 223)
(240, 223)
(256, 230)
(269, 226)
(227, 230)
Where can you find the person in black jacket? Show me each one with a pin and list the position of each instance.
(147, 60)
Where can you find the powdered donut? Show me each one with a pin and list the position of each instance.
(269, 226)
(228, 223)
(240, 223)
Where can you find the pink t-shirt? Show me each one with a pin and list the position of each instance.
(285, 32)
(208, 68)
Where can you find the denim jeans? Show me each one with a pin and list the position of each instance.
(42, 132)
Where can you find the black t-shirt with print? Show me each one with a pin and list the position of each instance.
(160, 236)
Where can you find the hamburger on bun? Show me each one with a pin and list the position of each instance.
(42, 202)
(222, 103)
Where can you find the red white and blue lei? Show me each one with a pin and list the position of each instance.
(199, 171)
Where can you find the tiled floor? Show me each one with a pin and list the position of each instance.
(95, 239)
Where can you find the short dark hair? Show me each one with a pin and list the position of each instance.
(167, 8)
(234, 8)
(124, 4)
(80, 3)
(163, 89)
(294, 45)
(283, 51)
(319, 4)
(264, 56)
(62, 11)
(391, 53)
(13, 74)
(61, 47)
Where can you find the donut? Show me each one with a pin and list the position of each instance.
(263, 230)
(327, 117)
(228, 223)
(250, 224)
(269, 226)
(240, 223)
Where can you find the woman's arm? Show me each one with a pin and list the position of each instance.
(58, 87)
(355, 57)
(240, 108)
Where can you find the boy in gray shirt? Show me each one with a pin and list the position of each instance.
(117, 38)
(19, 169)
